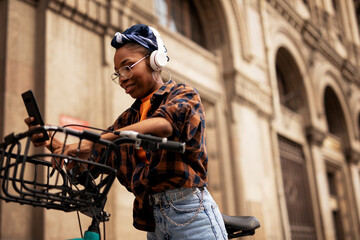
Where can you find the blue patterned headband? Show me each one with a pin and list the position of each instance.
(140, 34)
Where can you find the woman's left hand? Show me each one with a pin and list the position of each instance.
(84, 152)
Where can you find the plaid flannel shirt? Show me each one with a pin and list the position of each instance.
(180, 104)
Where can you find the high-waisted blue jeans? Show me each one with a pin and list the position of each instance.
(186, 213)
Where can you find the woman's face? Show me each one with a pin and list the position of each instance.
(142, 82)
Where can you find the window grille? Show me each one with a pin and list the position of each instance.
(297, 191)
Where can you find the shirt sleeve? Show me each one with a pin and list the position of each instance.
(183, 109)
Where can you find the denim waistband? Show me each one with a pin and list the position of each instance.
(173, 195)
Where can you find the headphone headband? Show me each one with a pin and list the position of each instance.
(158, 58)
(159, 41)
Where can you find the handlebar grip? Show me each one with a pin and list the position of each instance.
(92, 136)
(172, 146)
(152, 138)
(85, 134)
(135, 136)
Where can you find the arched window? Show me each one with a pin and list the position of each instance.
(334, 114)
(335, 5)
(182, 17)
(357, 12)
(289, 81)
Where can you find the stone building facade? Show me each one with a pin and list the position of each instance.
(279, 79)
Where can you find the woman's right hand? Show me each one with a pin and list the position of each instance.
(36, 136)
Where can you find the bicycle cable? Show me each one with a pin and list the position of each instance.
(78, 216)
(77, 125)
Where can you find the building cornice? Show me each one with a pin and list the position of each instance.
(244, 90)
(313, 38)
(102, 18)
(81, 14)
(32, 2)
(288, 13)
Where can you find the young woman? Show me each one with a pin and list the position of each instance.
(171, 199)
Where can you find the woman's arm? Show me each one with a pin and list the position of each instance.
(157, 126)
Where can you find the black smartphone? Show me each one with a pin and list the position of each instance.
(33, 111)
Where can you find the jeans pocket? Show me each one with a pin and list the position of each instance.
(187, 205)
(183, 211)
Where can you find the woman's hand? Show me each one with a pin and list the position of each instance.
(55, 144)
(57, 147)
(35, 137)
(83, 152)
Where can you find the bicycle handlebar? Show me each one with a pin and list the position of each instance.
(157, 143)
(75, 186)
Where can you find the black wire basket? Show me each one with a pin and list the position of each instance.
(29, 177)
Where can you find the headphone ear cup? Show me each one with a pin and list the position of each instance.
(158, 60)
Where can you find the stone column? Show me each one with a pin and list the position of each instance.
(353, 160)
(19, 61)
(251, 149)
(316, 138)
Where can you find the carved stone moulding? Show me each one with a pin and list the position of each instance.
(352, 155)
(315, 135)
(248, 92)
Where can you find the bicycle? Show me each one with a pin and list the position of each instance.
(30, 178)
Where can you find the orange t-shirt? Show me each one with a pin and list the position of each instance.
(144, 109)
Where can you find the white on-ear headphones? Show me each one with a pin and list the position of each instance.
(158, 58)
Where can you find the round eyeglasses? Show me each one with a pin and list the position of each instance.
(124, 72)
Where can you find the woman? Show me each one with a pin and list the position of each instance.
(171, 199)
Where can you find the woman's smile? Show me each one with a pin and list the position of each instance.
(129, 87)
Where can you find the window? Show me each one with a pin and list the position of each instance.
(296, 190)
(335, 6)
(336, 21)
(334, 183)
(335, 115)
(357, 12)
(289, 81)
(182, 17)
(331, 183)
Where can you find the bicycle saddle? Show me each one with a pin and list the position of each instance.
(238, 226)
